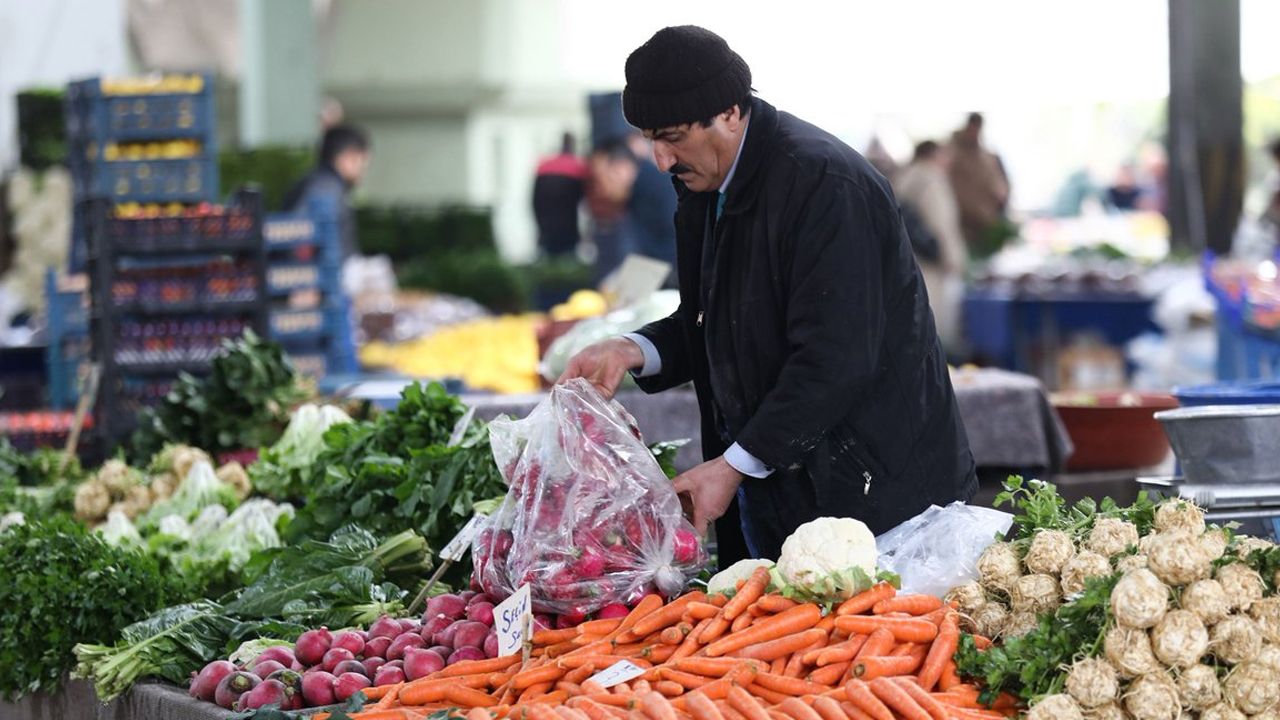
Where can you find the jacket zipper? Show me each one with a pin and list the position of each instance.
(698, 321)
(866, 487)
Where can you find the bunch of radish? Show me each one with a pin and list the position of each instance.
(327, 667)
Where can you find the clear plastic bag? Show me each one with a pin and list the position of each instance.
(590, 519)
(939, 548)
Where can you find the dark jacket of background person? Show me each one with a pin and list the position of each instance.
(558, 190)
(805, 328)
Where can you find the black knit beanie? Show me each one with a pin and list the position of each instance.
(683, 74)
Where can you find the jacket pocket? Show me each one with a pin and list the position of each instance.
(853, 461)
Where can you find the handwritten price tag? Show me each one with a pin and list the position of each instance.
(460, 545)
(509, 622)
(617, 673)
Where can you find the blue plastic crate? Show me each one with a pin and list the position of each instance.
(1229, 393)
(285, 278)
(178, 180)
(67, 311)
(96, 117)
(65, 369)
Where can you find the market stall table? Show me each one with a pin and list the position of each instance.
(145, 701)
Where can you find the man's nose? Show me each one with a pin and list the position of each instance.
(662, 156)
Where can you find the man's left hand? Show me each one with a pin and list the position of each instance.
(711, 486)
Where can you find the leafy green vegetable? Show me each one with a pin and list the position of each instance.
(242, 403)
(200, 489)
(280, 471)
(665, 453)
(337, 583)
(1038, 506)
(1031, 666)
(834, 588)
(39, 484)
(1267, 563)
(397, 472)
(64, 585)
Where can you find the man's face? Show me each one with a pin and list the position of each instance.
(351, 165)
(699, 156)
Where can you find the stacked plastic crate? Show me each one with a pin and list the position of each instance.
(147, 147)
(309, 312)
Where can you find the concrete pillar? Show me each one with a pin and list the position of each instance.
(279, 84)
(1206, 121)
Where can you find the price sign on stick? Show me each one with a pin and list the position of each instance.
(617, 673)
(509, 621)
(453, 552)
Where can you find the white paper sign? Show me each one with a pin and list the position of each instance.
(617, 673)
(460, 545)
(508, 621)
(460, 427)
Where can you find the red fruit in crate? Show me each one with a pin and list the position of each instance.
(503, 543)
(590, 565)
(686, 546)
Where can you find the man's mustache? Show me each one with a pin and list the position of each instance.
(680, 169)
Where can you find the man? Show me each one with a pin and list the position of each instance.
(344, 158)
(558, 188)
(803, 324)
(923, 188)
(979, 182)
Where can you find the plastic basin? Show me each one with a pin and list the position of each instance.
(1114, 430)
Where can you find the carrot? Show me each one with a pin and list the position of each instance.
(853, 712)
(787, 685)
(944, 646)
(528, 678)
(702, 610)
(923, 698)
(963, 714)
(742, 622)
(702, 707)
(950, 676)
(838, 653)
(580, 673)
(719, 600)
(750, 708)
(555, 697)
(750, 592)
(656, 707)
(903, 629)
(776, 714)
(796, 709)
(621, 699)
(377, 692)
(569, 713)
(690, 644)
(380, 715)
(880, 642)
(774, 603)
(827, 623)
(829, 708)
(432, 688)
(542, 712)
(896, 698)
(599, 627)
(717, 689)
(957, 701)
(591, 708)
(668, 688)
(577, 661)
(709, 667)
(914, 604)
(728, 711)
(716, 627)
(876, 667)
(685, 679)
(779, 666)
(553, 637)
(773, 649)
(859, 693)
(756, 610)
(674, 635)
(570, 687)
(466, 697)
(475, 667)
(801, 617)
(867, 599)
(662, 617)
(830, 674)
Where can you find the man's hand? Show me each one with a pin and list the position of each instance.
(604, 364)
(711, 486)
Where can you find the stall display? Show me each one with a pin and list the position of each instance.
(1248, 297)
(493, 354)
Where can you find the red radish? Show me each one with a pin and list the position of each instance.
(445, 637)
(290, 678)
(395, 663)
(335, 656)
(279, 653)
(205, 684)
(613, 612)
(481, 612)
(349, 684)
(377, 647)
(566, 621)
(491, 645)
(450, 605)
(466, 653)
(372, 665)
(317, 688)
(409, 626)
(543, 622)
(402, 643)
(347, 666)
(466, 595)
(266, 668)
(268, 692)
(470, 634)
(384, 626)
(475, 583)
(442, 651)
(434, 626)
(685, 546)
(421, 663)
(482, 597)
(388, 676)
(590, 565)
(349, 641)
(312, 645)
(232, 686)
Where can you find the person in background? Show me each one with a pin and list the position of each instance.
(558, 188)
(1272, 213)
(1124, 193)
(924, 191)
(344, 157)
(612, 171)
(979, 183)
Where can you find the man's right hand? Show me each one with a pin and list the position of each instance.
(604, 364)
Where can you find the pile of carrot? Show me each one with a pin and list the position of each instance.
(755, 656)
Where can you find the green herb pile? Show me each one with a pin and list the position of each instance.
(64, 585)
(40, 484)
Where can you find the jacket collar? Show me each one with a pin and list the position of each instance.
(743, 187)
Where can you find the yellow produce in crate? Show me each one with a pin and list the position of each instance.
(581, 305)
(498, 354)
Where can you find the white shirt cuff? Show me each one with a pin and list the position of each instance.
(746, 463)
(652, 361)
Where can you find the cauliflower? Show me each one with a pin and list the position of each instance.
(726, 581)
(821, 555)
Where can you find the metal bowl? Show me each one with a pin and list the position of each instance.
(1226, 443)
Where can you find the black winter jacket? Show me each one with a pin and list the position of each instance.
(812, 344)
